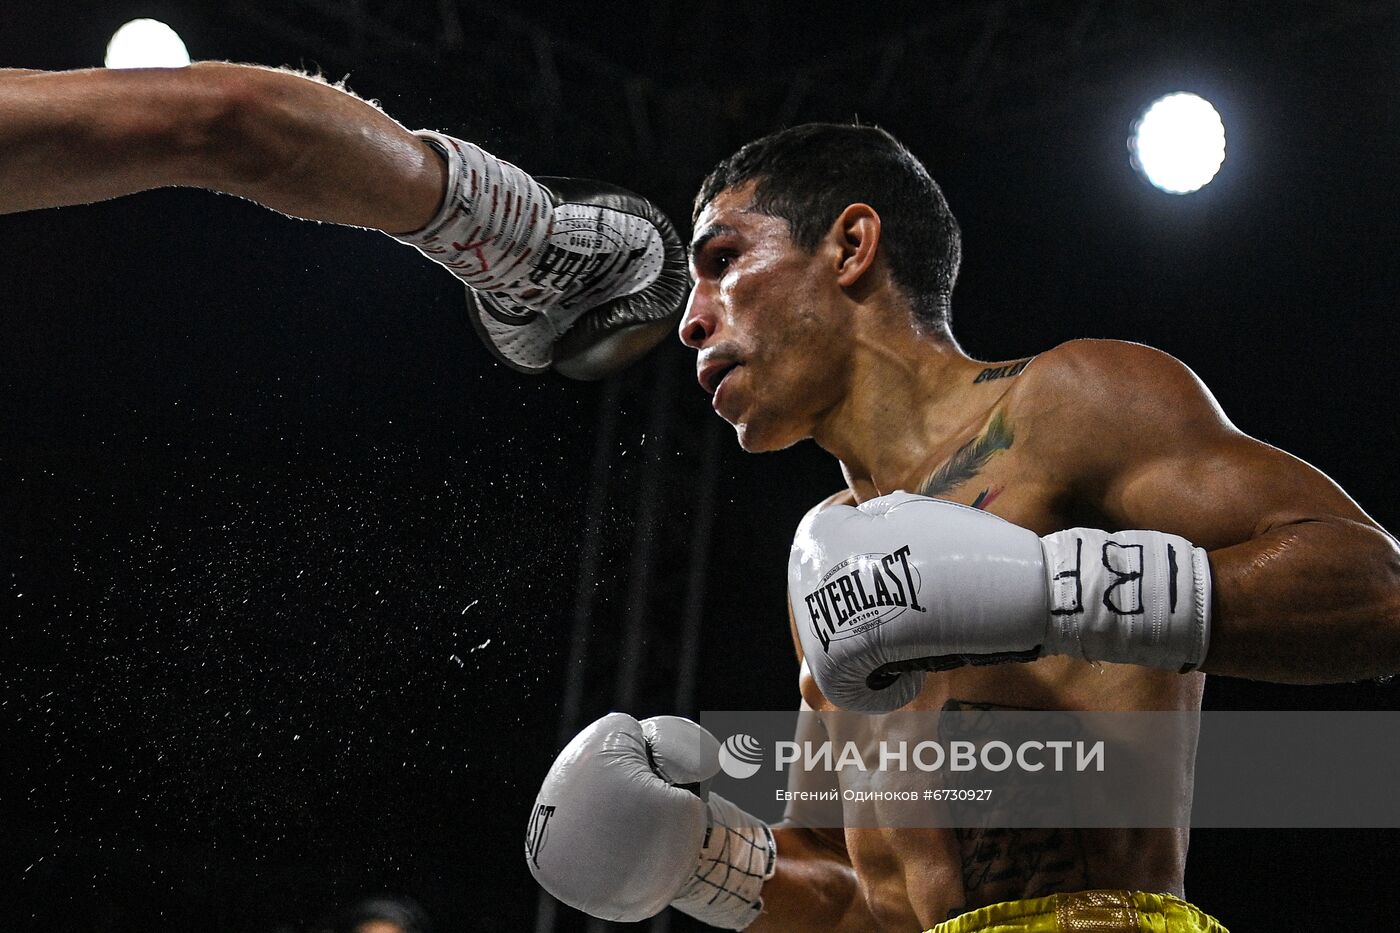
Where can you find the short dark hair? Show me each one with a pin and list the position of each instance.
(807, 175)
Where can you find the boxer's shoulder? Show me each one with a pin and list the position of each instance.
(1102, 371)
(1113, 392)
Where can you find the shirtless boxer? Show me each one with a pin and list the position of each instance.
(564, 274)
(824, 259)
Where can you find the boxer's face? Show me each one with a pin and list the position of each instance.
(767, 319)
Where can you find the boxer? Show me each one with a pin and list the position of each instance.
(576, 276)
(1083, 529)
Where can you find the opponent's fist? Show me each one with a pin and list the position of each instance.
(905, 584)
(624, 825)
(568, 274)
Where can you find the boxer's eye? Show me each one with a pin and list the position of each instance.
(720, 260)
(713, 259)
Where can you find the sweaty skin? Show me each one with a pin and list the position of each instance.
(913, 878)
(287, 141)
(1100, 434)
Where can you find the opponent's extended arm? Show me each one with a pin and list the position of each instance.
(564, 274)
(290, 142)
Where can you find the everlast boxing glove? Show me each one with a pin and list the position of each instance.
(905, 584)
(562, 273)
(625, 825)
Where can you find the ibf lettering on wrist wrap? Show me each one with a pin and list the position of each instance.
(1140, 597)
(505, 213)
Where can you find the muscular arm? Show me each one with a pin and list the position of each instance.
(284, 140)
(1306, 585)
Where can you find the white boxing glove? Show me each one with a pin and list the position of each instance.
(568, 274)
(625, 825)
(905, 584)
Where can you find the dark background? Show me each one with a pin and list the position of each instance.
(291, 562)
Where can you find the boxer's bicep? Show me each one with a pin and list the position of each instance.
(1306, 587)
(1222, 489)
(1156, 451)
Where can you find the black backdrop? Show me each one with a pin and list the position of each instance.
(289, 559)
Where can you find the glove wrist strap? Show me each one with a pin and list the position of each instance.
(1136, 597)
(738, 855)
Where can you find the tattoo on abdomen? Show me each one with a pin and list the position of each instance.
(1012, 864)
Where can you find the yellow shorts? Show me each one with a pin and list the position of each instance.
(1087, 912)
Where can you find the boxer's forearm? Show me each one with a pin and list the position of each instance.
(1310, 602)
(814, 888)
(289, 142)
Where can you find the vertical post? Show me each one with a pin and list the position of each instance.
(576, 667)
(688, 650)
(701, 531)
(643, 544)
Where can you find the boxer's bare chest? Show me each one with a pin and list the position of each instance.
(996, 463)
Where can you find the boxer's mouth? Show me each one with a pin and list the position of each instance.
(712, 374)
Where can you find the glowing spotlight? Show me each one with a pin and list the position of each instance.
(1178, 144)
(146, 43)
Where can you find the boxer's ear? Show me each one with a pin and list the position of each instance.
(856, 236)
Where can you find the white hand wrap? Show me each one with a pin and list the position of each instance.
(624, 825)
(906, 584)
(538, 255)
(494, 219)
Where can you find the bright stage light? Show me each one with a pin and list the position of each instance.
(146, 43)
(1178, 143)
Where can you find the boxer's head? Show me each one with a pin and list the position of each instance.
(791, 232)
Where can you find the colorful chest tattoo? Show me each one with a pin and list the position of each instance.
(969, 459)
